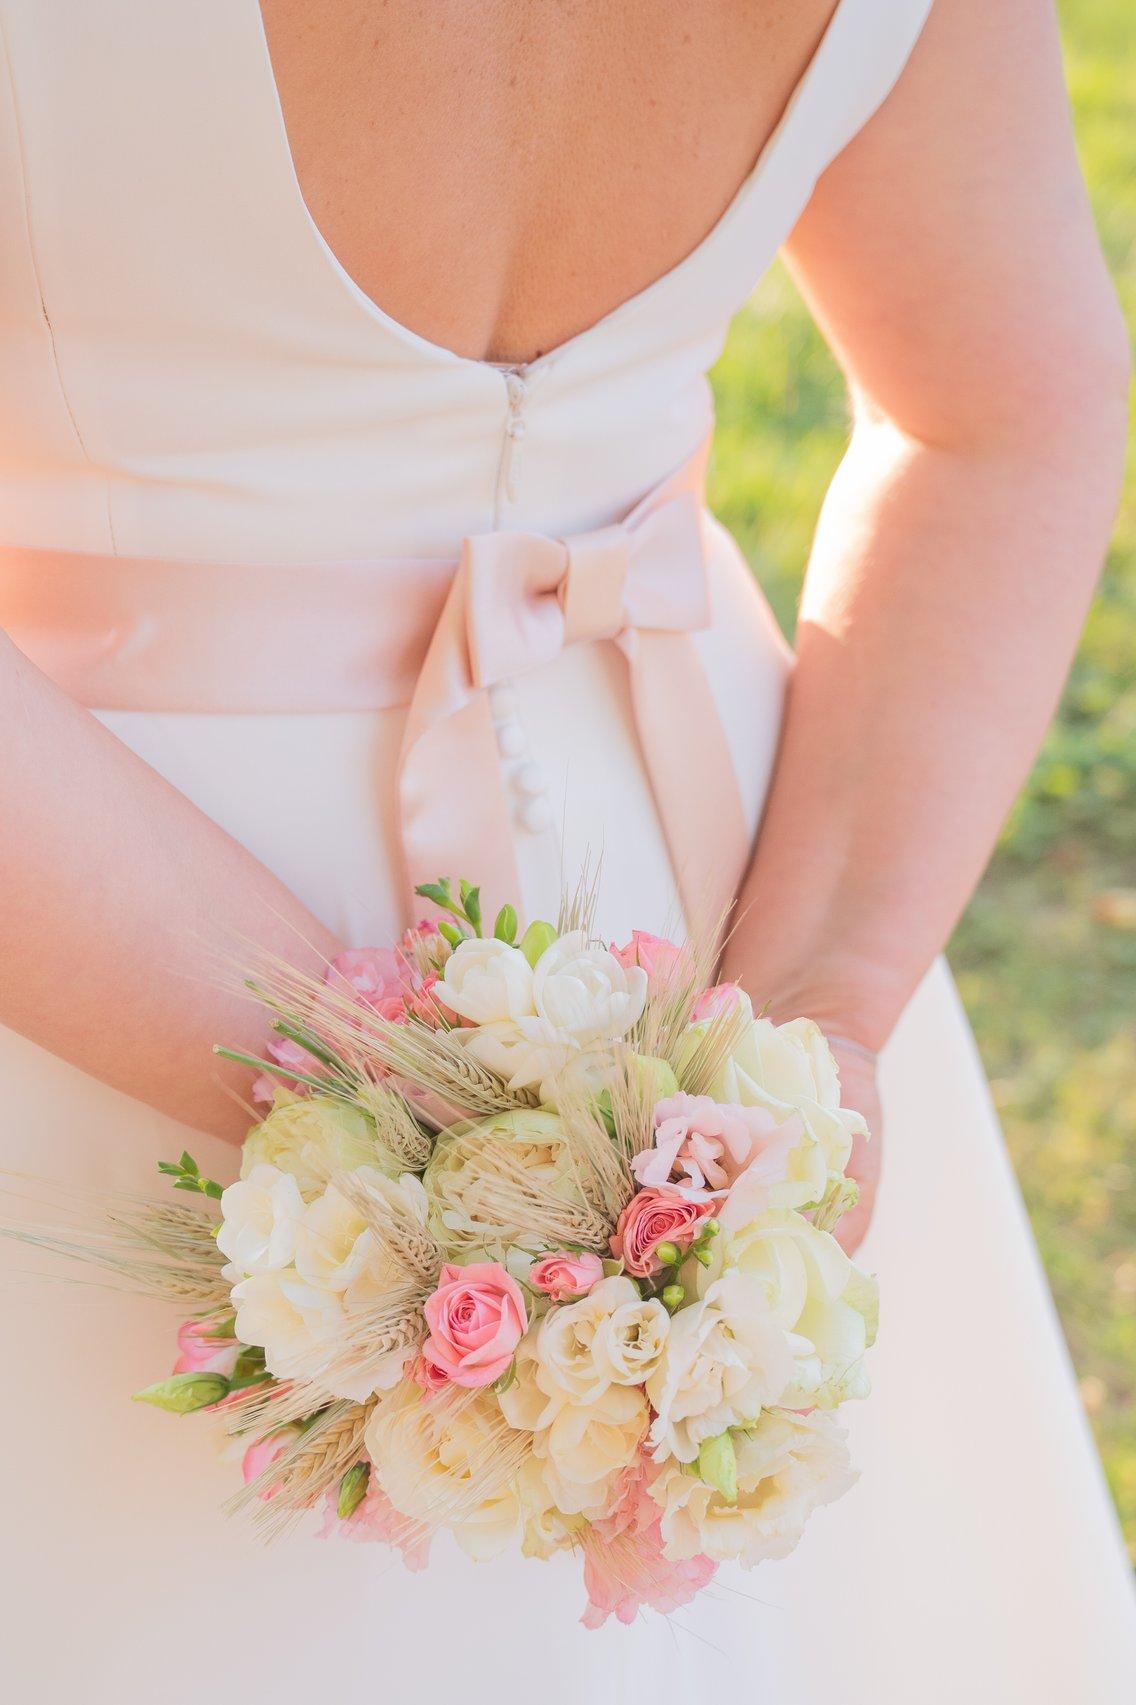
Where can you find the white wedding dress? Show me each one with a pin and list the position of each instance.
(187, 374)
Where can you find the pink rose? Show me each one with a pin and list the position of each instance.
(426, 1375)
(375, 974)
(659, 1214)
(701, 1144)
(660, 959)
(564, 1275)
(716, 1002)
(476, 1318)
(262, 1453)
(201, 1351)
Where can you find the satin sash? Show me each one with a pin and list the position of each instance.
(129, 633)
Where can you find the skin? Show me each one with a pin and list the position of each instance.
(950, 259)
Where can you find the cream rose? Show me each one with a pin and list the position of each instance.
(787, 1466)
(476, 1180)
(435, 1464)
(260, 1217)
(583, 991)
(726, 1359)
(814, 1293)
(486, 981)
(310, 1137)
(789, 1069)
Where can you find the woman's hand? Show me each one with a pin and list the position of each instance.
(858, 1090)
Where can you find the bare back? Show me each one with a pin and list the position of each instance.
(499, 177)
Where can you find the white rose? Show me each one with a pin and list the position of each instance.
(330, 1246)
(726, 1358)
(788, 1465)
(292, 1321)
(585, 993)
(545, 1527)
(260, 1216)
(609, 1337)
(486, 981)
(789, 1069)
(814, 1293)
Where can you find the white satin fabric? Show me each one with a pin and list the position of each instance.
(186, 373)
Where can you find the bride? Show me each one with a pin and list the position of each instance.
(293, 301)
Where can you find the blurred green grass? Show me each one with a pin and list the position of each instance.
(1046, 954)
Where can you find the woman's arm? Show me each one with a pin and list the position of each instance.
(950, 258)
(116, 897)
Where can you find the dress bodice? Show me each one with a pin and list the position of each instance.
(187, 371)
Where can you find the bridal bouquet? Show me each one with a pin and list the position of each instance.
(534, 1241)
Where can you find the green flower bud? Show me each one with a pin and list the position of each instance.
(182, 1393)
(710, 1228)
(668, 1254)
(505, 929)
(537, 938)
(673, 1297)
(718, 1466)
(352, 1490)
(703, 1257)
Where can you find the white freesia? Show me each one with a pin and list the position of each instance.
(612, 1336)
(726, 1359)
(332, 1242)
(787, 1466)
(486, 982)
(813, 1291)
(585, 993)
(292, 1321)
(260, 1216)
(529, 1053)
(789, 1069)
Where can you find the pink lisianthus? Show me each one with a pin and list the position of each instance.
(701, 1144)
(716, 1002)
(624, 1566)
(564, 1275)
(262, 1453)
(658, 1214)
(201, 1351)
(660, 959)
(477, 1318)
(379, 977)
(376, 1520)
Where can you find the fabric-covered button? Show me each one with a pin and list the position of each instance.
(536, 815)
(510, 739)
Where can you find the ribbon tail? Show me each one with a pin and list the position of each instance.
(453, 809)
(692, 773)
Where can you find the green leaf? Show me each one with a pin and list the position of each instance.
(352, 1490)
(188, 1164)
(182, 1393)
(170, 1168)
(505, 929)
(451, 933)
(471, 900)
(718, 1466)
(212, 1189)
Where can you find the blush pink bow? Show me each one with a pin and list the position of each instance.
(516, 600)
